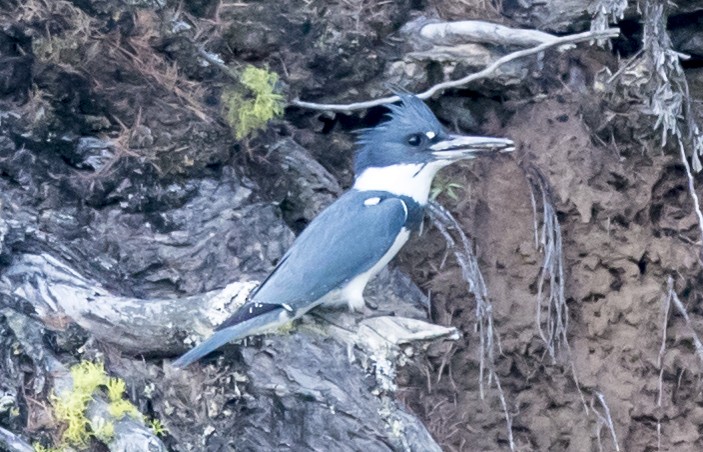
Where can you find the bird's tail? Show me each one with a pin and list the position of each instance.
(256, 325)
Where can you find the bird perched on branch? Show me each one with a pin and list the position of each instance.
(334, 258)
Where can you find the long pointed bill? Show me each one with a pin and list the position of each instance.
(459, 147)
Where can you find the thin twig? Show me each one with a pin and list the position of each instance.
(484, 73)
(210, 58)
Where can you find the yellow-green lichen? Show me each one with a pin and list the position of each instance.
(247, 112)
(121, 408)
(70, 407)
(38, 447)
(116, 387)
(103, 430)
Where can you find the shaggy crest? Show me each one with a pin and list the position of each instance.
(409, 117)
(403, 117)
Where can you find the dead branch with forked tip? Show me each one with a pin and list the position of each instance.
(485, 73)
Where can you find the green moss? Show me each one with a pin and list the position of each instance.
(87, 377)
(103, 431)
(38, 447)
(70, 407)
(121, 408)
(247, 112)
(116, 387)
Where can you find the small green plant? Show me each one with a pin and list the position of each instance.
(447, 187)
(157, 427)
(249, 112)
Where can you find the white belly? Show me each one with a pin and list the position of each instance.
(352, 293)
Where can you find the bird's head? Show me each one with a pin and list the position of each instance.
(411, 146)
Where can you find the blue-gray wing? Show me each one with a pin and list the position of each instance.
(345, 240)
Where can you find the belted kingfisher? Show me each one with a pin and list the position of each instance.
(355, 237)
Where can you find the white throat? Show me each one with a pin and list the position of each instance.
(413, 180)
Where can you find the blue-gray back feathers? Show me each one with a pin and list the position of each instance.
(329, 253)
(333, 249)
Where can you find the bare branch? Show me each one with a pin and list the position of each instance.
(485, 73)
(136, 326)
(219, 64)
(449, 33)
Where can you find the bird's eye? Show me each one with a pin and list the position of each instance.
(415, 139)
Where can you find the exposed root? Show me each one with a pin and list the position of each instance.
(604, 420)
(670, 101)
(682, 310)
(489, 343)
(660, 359)
(552, 312)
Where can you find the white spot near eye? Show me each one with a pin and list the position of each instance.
(430, 134)
(372, 201)
(287, 307)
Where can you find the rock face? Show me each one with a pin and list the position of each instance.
(131, 220)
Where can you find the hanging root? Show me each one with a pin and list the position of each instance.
(670, 100)
(670, 297)
(604, 420)
(552, 313)
(660, 359)
(489, 343)
(682, 310)
(551, 310)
